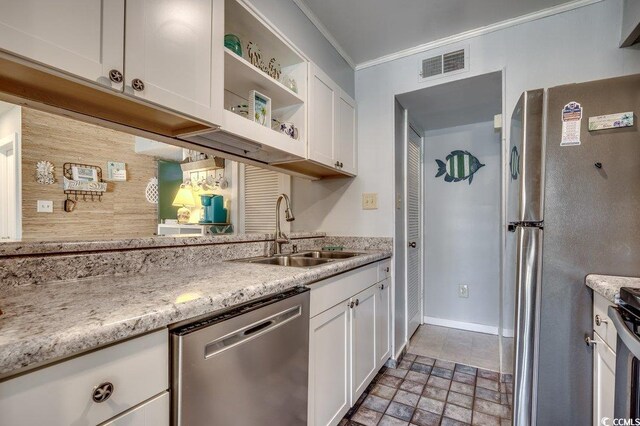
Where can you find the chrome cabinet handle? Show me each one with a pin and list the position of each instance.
(351, 305)
(412, 244)
(589, 341)
(115, 76)
(102, 392)
(137, 85)
(357, 302)
(341, 164)
(381, 286)
(600, 321)
(336, 165)
(386, 269)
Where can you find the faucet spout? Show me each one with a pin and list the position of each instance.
(280, 237)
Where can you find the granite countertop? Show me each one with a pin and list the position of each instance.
(609, 285)
(56, 320)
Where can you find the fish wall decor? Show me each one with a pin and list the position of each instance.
(458, 166)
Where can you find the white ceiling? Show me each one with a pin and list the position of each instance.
(466, 101)
(369, 29)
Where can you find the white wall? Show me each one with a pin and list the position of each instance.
(575, 46)
(462, 228)
(289, 19)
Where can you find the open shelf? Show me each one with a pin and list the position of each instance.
(240, 77)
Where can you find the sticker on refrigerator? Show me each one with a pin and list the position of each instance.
(611, 121)
(571, 121)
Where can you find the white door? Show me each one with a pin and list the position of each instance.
(170, 51)
(346, 134)
(383, 322)
(604, 376)
(414, 230)
(81, 37)
(329, 366)
(363, 341)
(9, 190)
(322, 111)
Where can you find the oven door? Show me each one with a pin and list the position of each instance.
(627, 396)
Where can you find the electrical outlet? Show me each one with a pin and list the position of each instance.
(463, 290)
(369, 201)
(44, 206)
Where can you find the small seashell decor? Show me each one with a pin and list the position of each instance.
(44, 173)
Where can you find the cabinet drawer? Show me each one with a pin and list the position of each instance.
(62, 394)
(330, 292)
(384, 269)
(601, 322)
(154, 412)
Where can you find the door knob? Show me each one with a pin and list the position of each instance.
(115, 76)
(412, 244)
(137, 85)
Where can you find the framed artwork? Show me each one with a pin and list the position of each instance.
(260, 108)
(84, 174)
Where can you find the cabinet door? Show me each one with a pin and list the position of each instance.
(323, 96)
(329, 389)
(345, 145)
(80, 37)
(383, 322)
(154, 412)
(604, 375)
(363, 341)
(170, 51)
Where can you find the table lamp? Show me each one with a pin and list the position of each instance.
(184, 199)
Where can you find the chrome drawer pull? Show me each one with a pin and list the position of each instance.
(102, 392)
(589, 341)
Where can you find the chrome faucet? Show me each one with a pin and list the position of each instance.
(280, 237)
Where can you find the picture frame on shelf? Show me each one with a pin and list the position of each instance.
(260, 108)
(84, 174)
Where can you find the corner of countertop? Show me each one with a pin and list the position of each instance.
(609, 286)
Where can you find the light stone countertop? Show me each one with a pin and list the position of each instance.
(52, 321)
(609, 285)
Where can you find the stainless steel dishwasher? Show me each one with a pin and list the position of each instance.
(245, 366)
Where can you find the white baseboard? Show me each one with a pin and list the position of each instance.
(469, 326)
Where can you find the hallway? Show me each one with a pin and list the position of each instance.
(460, 346)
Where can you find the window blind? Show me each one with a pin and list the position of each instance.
(260, 192)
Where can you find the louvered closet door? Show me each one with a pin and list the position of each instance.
(414, 231)
(260, 190)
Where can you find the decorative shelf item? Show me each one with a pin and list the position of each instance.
(260, 108)
(233, 43)
(91, 187)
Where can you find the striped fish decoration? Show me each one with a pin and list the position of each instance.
(459, 165)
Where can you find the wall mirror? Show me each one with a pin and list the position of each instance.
(66, 180)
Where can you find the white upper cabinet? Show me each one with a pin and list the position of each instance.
(173, 50)
(345, 144)
(84, 38)
(323, 98)
(332, 124)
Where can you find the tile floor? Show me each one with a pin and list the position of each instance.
(424, 391)
(461, 346)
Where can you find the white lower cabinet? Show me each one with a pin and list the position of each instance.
(604, 360)
(93, 388)
(604, 376)
(349, 341)
(363, 340)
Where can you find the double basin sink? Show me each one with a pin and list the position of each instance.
(305, 259)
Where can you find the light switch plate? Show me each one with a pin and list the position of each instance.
(44, 206)
(369, 201)
(463, 290)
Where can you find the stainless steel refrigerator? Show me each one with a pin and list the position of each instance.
(573, 209)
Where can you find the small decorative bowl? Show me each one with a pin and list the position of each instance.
(232, 42)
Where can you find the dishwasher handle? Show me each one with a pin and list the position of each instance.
(629, 339)
(251, 331)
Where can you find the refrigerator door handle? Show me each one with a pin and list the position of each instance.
(526, 333)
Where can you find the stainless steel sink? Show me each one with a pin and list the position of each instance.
(295, 261)
(305, 259)
(320, 254)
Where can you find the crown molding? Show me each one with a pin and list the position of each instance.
(544, 13)
(325, 32)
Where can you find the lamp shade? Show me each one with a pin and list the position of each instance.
(184, 197)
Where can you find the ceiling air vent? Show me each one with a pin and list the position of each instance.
(451, 62)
